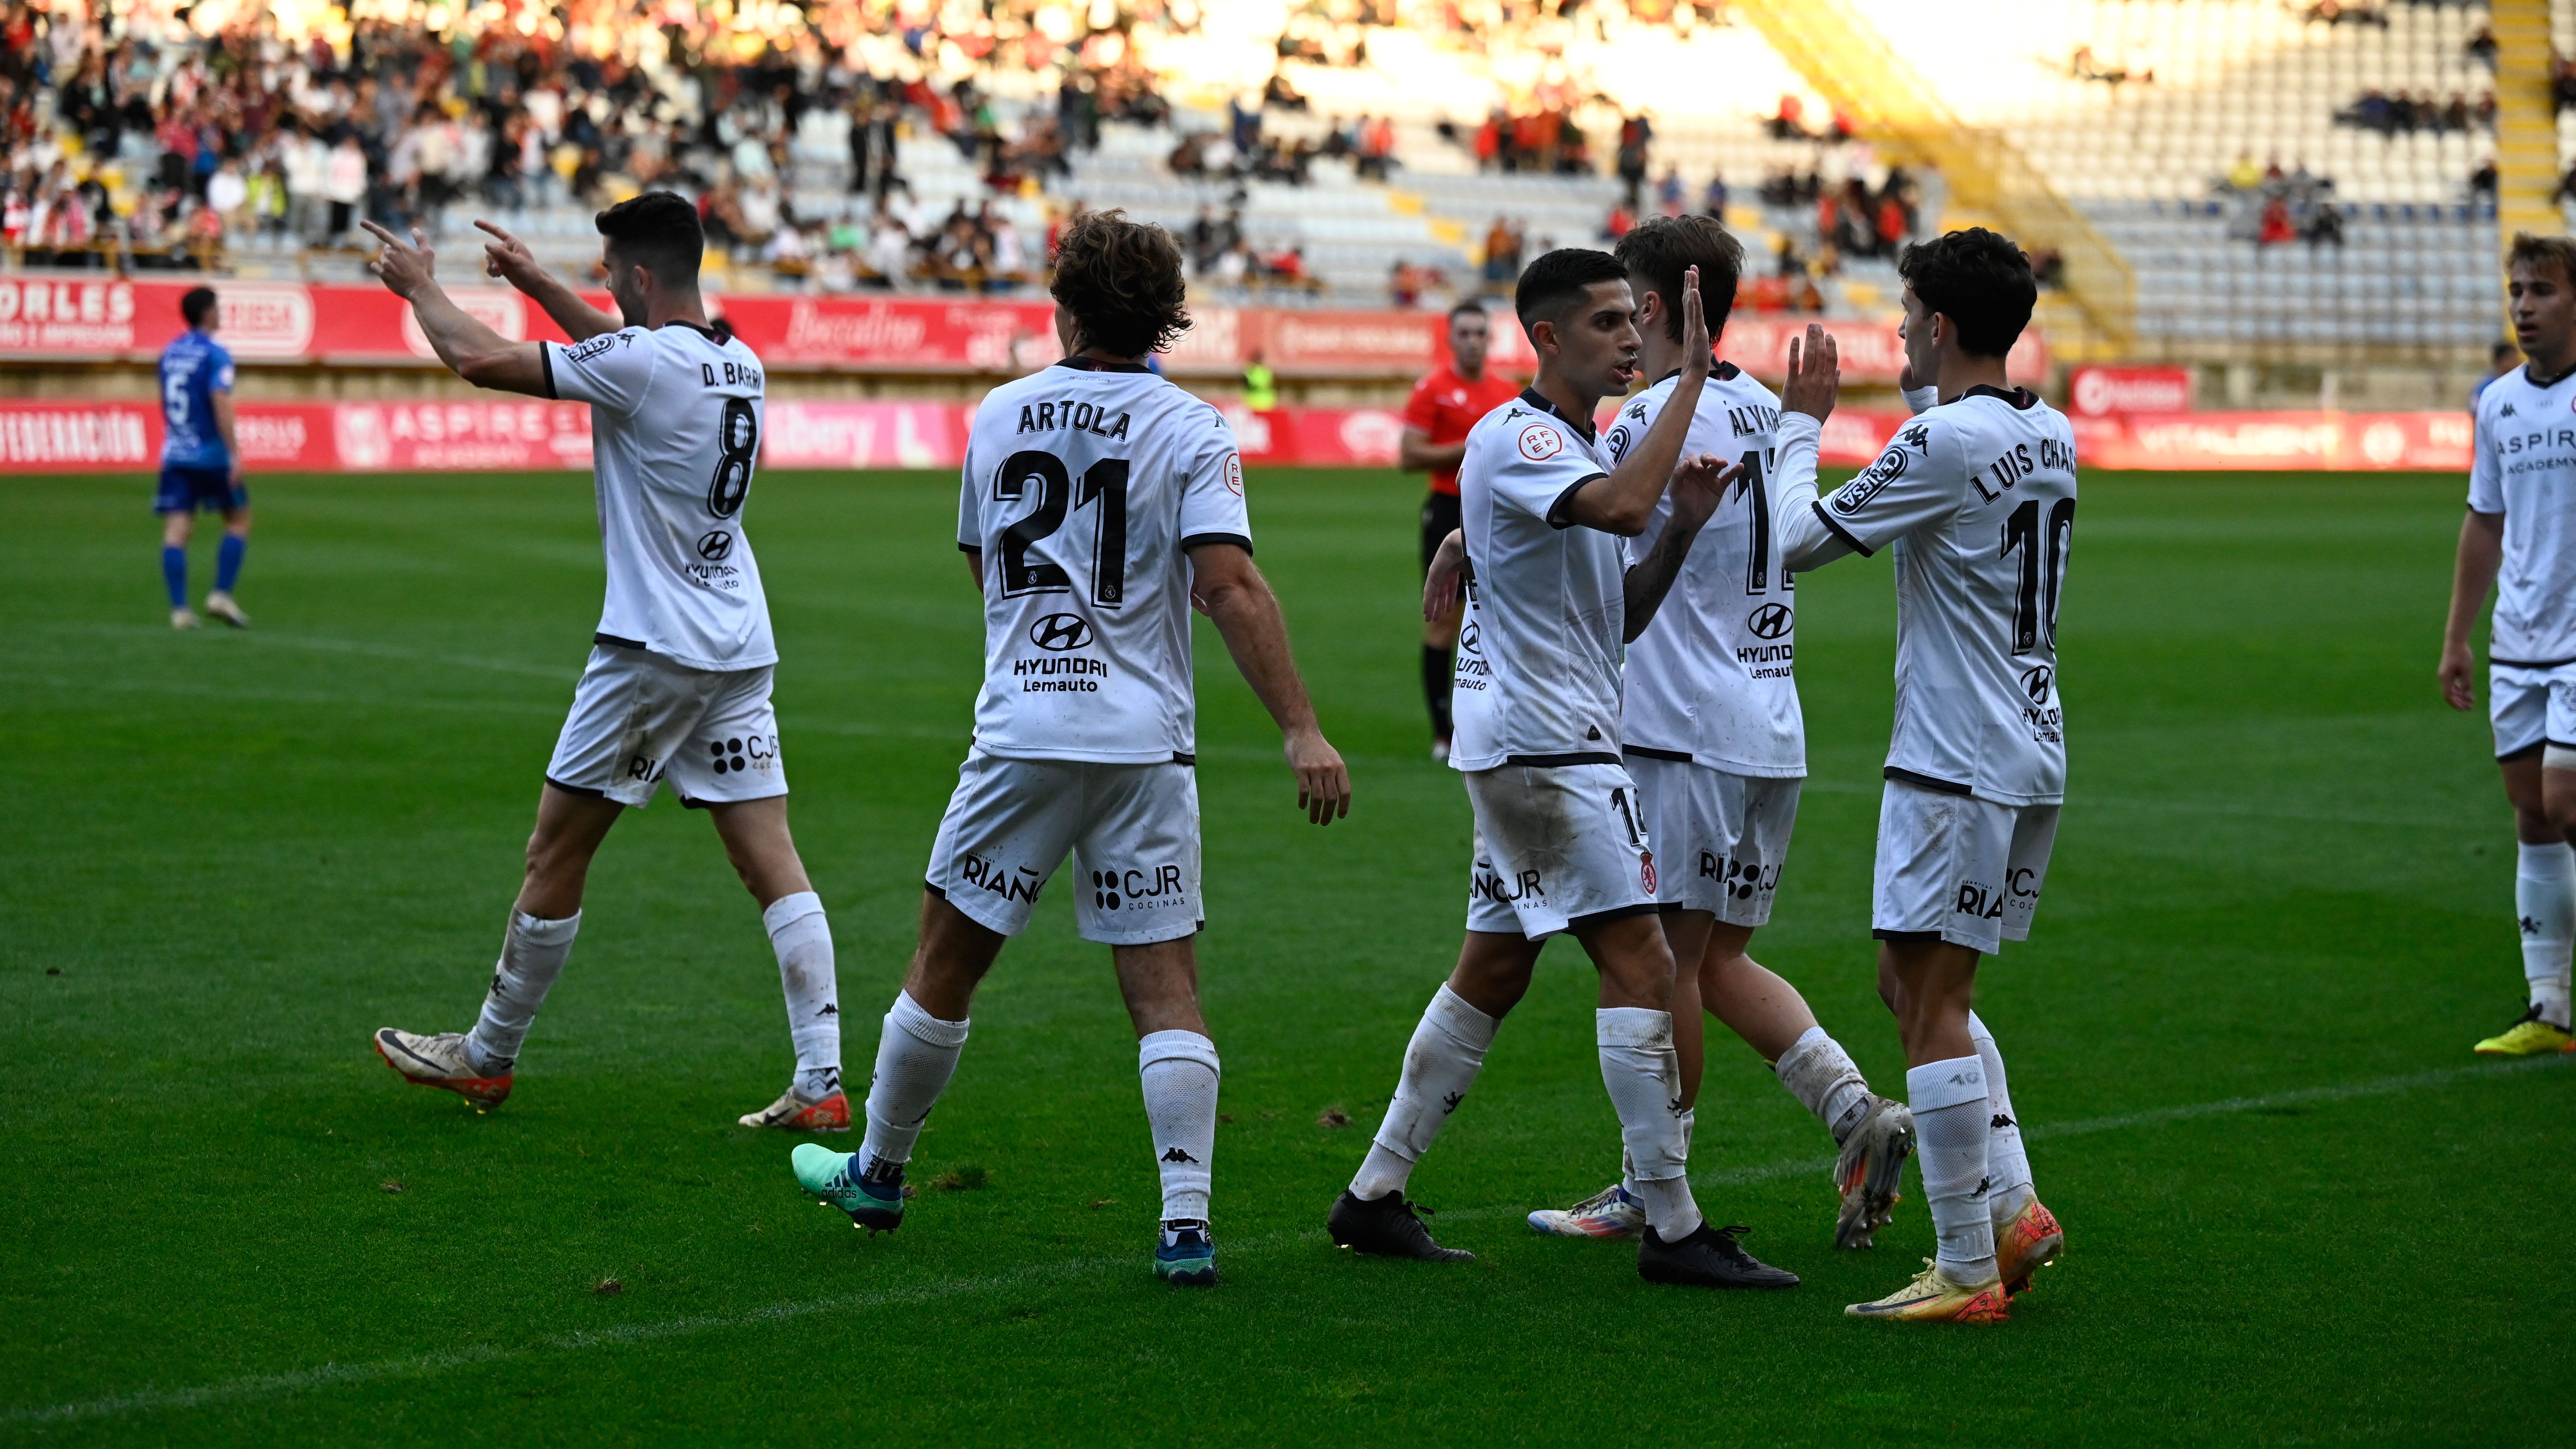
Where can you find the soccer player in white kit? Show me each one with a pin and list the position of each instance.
(1975, 499)
(1562, 844)
(2520, 537)
(1098, 503)
(677, 687)
(1711, 733)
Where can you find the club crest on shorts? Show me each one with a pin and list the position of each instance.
(1539, 442)
(1646, 870)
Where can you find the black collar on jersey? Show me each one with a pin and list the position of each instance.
(1723, 372)
(2535, 379)
(1583, 426)
(709, 333)
(1094, 364)
(2021, 397)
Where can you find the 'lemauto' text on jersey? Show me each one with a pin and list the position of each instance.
(1539, 651)
(675, 420)
(194, 367)
(2525, 469)
(1978, 498)
(1085, 485)
(1710, 677)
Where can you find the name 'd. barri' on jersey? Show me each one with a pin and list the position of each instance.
(1081, 416)
(732, 374)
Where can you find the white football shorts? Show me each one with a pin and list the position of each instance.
(638, 718)
(2531, 707)
(1557, 846)
(1956, 868)
(1720, 838)
(1133, 831)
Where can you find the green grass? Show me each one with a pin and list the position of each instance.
(2285, 873)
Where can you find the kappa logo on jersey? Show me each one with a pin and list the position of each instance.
(1019, 884)
(714, 546)
(1539, 442)
(1769, 621)
(750, 752)
(2039, 682)
(1234, 474)
(1637, 410)
(1057, 633)
(2507, 409)
(1148, 889)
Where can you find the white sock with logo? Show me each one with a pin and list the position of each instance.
(1951, 1136)
(1180, 1073)
(1819, 1073)
(1440, 1064)
(533, 953)
(915, 1057)
(802, 937)
(1644, 1080)
(2008, 1188)
(2544, 904)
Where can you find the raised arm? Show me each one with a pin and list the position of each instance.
(1228, 588)
(2472, 574)
(1697, 486)
(471, 350)
(1815, 383)
(1623, 500)
(508, 258)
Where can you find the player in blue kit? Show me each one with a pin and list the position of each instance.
(200, 467)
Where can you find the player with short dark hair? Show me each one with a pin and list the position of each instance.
(1711, 733)
(2520, 539)
(1097, 503)
(1437, 417)
(200, 463)
(1560, 844)
(1975, 500)
(677, 687)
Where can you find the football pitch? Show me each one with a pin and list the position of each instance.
(2280, 910)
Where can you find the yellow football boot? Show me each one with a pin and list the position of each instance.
(2528, 1037)
(1933, 1298)
(2030, 1242)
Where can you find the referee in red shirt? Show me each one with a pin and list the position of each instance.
(1444, 406)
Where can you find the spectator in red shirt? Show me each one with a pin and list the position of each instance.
(1444, 406)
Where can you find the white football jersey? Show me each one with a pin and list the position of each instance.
(1710, 677)
(1539, 649)
(2524, 467)
(1977, 498)
(1084, 486)
(675, 420)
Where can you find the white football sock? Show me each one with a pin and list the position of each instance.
(1644, 1078)
(915, 1056)
(1628, 1165)
(1440, 1064)
(1819, 1073)
(802, 937)
(533, 953)
(2544, 902)
(2008, 1188)
(1950, 1135)
(1180, 1073)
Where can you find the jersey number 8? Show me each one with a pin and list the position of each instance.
(1105, 483)
(737, 449)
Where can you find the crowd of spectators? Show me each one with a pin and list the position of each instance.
(2271, 206)
(2407, 112)
(129, 130)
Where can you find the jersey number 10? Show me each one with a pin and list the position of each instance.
(2035, 611)
(1104, 483)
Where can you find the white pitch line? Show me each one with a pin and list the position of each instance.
(417, 1365)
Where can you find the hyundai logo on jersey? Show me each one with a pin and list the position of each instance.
(1057, 633)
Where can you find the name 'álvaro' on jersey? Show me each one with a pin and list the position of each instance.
(676, 418)
(1084, 486)
(1978, 498)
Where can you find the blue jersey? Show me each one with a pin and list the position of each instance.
(193, 369)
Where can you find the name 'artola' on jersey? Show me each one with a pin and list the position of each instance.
(1080, 416)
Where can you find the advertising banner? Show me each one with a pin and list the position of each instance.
(2101, 392)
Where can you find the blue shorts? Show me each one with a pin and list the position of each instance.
(185, 490)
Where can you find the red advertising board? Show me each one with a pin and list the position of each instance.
(2101, 392)
(509, 434)
(98, 316)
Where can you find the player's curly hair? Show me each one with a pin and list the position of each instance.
(2539, 252)
(1980, 281)
(1122, 281)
